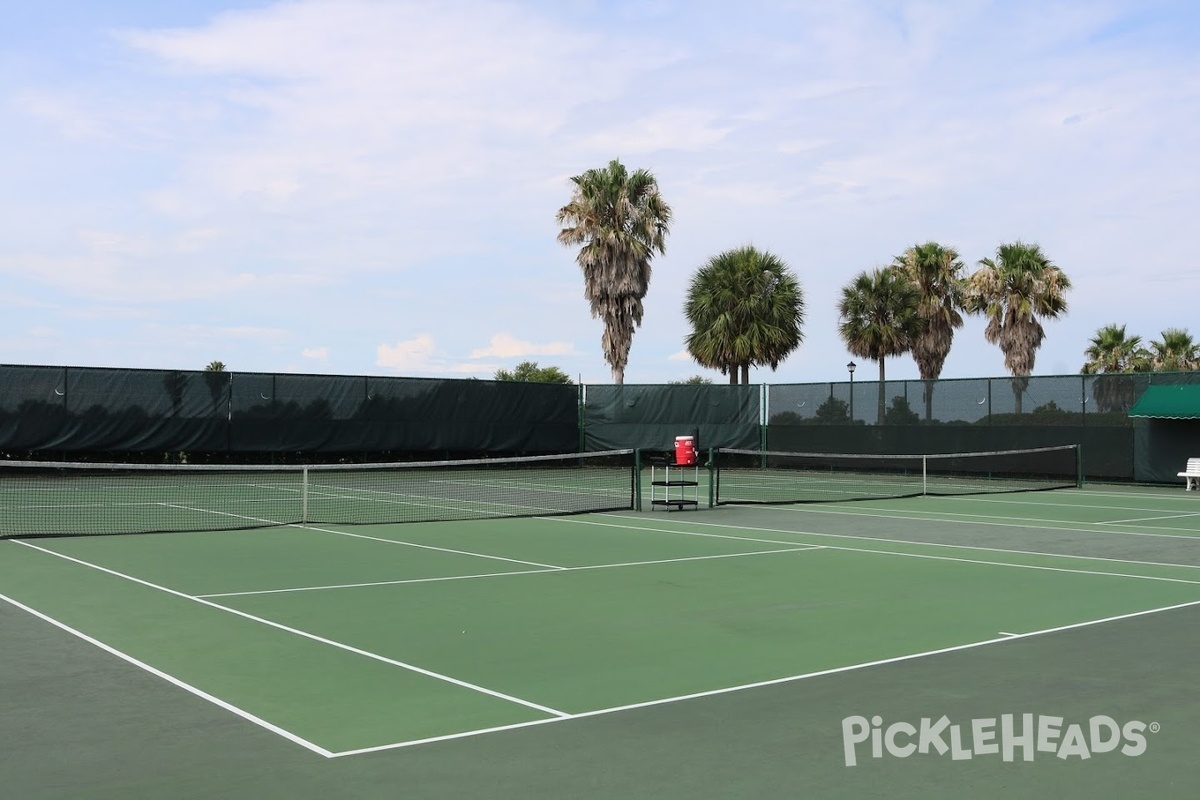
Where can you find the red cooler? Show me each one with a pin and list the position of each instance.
(685, 451)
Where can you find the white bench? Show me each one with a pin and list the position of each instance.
(1192, 474)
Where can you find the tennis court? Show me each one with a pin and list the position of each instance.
(704, 653)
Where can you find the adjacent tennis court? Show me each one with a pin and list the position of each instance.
(711, 652)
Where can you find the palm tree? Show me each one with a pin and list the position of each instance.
(1111, 350)
(175, 383)
(1175, 352)
(1015, 291)
(1113, 354)
(218, 383)
(936, 272)
(878, 318)
(621, 220)
(745, 307)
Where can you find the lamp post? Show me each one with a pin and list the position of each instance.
(851, 367)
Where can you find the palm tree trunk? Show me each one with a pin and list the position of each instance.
(1019, 384)
(746, 373)
(881, 391)
(929, 400)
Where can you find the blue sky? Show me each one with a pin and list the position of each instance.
(346, 187)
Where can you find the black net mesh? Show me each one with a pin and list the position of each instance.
(749, 476)
(72, 499)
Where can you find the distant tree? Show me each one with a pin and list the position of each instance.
(936, 272)
(878, 318)
(1112, 355)
(218, 381)
(746, 308)
(1175, 351)
(621, 220)
(175, 383)
(530, 372)
(692, 381)
(1015, 291)
(833, 412)
(1111, 350)
(899, 413)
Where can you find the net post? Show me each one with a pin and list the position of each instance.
(637, 479)
(924, 475)
(712, 468)
(304, 496)
(1078, 466)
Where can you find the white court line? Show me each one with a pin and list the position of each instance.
(312, 636)
(772, 682)
(430, 547)
(418, 500)
(405, 581)
(1056, 503)
(1179, 534)
(1006, 633)
(1056, 524)
(1134, 490)
(907, 555)
(1145, 519)
(372, 538)
(1047, 525)
(187, 687)
(380, 583)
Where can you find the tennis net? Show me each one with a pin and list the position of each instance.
(753, 476)
(74, 499)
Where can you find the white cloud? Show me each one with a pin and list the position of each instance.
(334, 167)
(409, 356)
(316, 353)
(796, 146)
(505, 345)
(478, 370)
(673, 129)
(252, 333)
(64, 112)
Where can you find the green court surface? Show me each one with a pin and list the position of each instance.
(724, 652)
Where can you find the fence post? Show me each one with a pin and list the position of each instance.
(581, 403)
(763, 415)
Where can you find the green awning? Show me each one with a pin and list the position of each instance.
(1168, 402)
